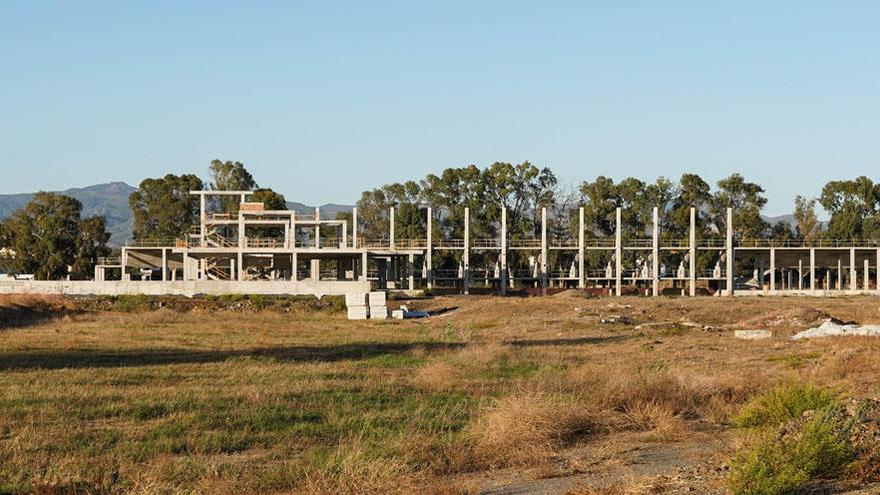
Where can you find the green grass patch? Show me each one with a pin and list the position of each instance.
(783, 403)
(504, 368)
(395, 361)
(794, 360)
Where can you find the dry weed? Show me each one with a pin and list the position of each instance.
(527, 428)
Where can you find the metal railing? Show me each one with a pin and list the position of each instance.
(146, 243)
(524, 243)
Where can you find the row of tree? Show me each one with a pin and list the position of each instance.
(50, 238)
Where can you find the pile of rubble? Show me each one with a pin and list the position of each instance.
(835, 328)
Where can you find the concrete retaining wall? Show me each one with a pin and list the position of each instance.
(183, 288)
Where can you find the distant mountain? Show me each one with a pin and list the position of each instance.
(328, 210)
(111, 201)
(790, 220)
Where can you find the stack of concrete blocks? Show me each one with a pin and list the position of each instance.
(378, 311)
(357, 306)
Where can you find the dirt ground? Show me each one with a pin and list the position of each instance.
(468, 400)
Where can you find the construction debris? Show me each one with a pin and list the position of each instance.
(752, 334)
(835, 328)
(405, 313)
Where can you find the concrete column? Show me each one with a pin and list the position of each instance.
(317, 227)
(164, 265)
(124, 263)
(466, 255)
(692, 251)
(202, 220)
(354, 228)
(730, 278)
(503, 254)
(839, 275)
(241, 272)
(877, 272)
(582, 280)
(364, 265)
(772, 270)
(294, 261)
(655, 252)
(866, 278)
(618, 255)
(410, 269)
(287, 236)
(429, 253)
(853, 271)
(233, 274)
(344, 235)
(800, 274)
(293, 229)
(315, 270)
(391, 227)
(99, 274)
(544, 254)
(813, 271)
(187, 275)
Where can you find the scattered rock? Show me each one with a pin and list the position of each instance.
(752, 334)
(834, 328)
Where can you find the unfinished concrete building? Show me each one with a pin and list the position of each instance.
(248, 249)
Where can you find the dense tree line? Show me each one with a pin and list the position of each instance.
(49, 237)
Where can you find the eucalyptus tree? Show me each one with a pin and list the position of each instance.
(163, 208)
(49, 238)
(854, 206)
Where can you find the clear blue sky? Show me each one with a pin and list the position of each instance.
(323, 99)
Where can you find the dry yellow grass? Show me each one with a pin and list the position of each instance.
(218, 401)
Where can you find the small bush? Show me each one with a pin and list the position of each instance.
(783, 403)
(770, 464)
